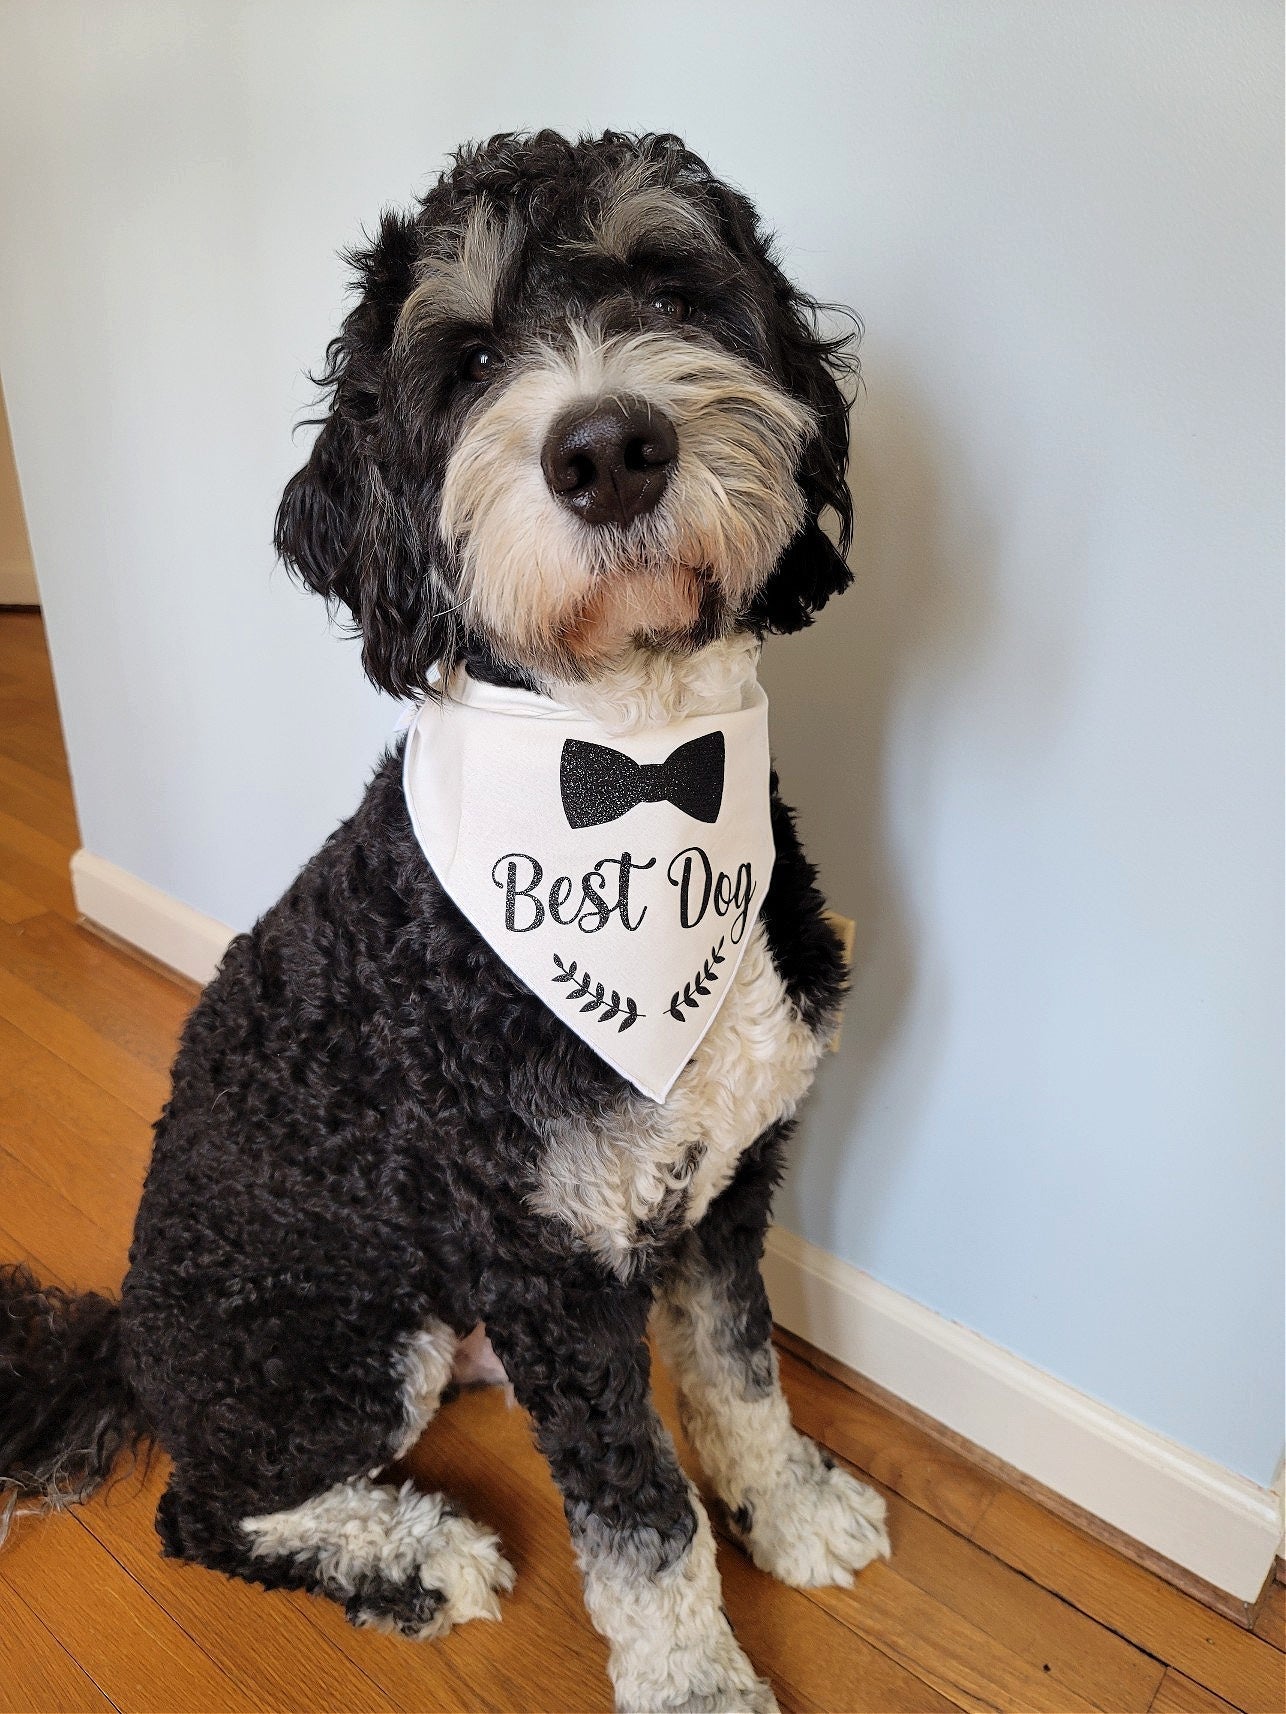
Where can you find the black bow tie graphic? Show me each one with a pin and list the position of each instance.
(599, 784)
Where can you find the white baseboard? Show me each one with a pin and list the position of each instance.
(184, 939)
(1215, 1524)
(1205, 1518)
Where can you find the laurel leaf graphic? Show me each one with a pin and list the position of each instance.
(700, 986)
(595, 996)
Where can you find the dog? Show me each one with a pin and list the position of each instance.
(582, 435)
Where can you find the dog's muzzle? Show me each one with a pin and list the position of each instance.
(609, 462)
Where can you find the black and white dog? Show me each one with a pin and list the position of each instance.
(581, 435)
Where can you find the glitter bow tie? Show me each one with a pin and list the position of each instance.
(600, 784)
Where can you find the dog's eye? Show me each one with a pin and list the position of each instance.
(481, 363)
(672, 306)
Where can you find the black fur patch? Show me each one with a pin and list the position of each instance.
(66, 1411)
(742, 1519)
(407, 1607)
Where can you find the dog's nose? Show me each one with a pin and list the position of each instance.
(610, 462)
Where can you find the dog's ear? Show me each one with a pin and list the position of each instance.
(319, 519)
(347, 526)
(813, 567)
(810, 367)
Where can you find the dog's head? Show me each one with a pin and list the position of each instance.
(578, 409)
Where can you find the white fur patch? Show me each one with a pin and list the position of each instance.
(425, 1365)
(671, 1646)
(462, 285)
(811, 1523)
(529, 567)
(360, 1529)
(638, 208)
(753, 1067)
(655, 687)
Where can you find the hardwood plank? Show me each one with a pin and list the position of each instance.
(1051, 1636)
(43, 1077)
(120, 998)
(24, 659)
(960, 1660)
(52, 892)
(25, 621)
(53, 793)
(25, 736)
(1179, 1695)
(17, 906)
(15, 1249)
(30, 730)
(24, 633)
(103, 1185)
(256, 1636)
(1270, 1621)
(887, 1449)
(136, 955)
(811, 1656)
(63, 1242)
(42, 807)
(138, 1086)
(29, 842)
(130, 1647)
(26, 681)
(1204, 1646)
(37, 1675)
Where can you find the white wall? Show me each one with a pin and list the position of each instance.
(1037, 750)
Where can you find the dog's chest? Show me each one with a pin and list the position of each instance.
(643, 1164)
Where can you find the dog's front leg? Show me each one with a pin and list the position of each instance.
(575, 1355)
(800, 1517)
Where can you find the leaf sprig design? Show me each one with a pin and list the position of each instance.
(692, 993)
(597, 998)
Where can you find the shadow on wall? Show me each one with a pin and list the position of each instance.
(857, 704)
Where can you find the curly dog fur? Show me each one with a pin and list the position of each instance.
(376, 1133)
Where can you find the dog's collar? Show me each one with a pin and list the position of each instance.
(619, 877)
(486, 667)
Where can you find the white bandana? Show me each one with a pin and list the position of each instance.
(618, 877)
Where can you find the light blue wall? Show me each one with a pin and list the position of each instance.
(1037, 750)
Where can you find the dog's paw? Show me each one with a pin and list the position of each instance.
(756, 1698)
(460, 1575)
(815, 1525)
(711, 1678)
(745, 1695)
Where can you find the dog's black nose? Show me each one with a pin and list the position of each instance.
(610, 461)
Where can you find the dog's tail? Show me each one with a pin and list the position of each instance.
(66, 1409)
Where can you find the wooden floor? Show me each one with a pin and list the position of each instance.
(989, 1603)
